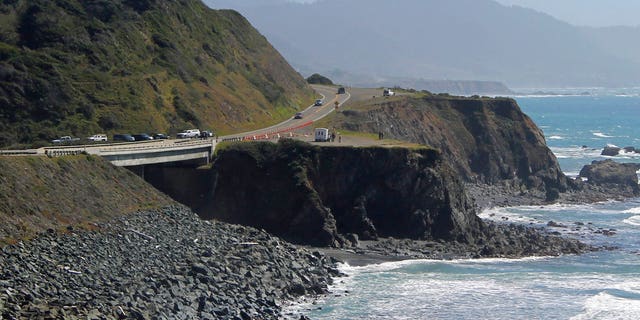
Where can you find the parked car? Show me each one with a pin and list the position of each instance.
(191, 133)
(160, 136)
(65, 139)
(123, 137)
(298, 115)
(322, 135)
(98, 137)
(342, 90)
(318, 102)
(206, 134)
(142, 137)
(388, 93)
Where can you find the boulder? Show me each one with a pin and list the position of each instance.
(630, 150)
(611, 151)
(612, 174)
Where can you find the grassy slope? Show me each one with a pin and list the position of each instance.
(37, 193)
(86, 66)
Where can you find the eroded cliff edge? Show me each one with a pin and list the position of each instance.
(486, 140)
(323, 196)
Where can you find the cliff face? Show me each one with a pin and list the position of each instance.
(485, 140)
(320, 195)
(76, 67)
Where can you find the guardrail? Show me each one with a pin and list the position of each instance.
(18, 152)
(271, 134)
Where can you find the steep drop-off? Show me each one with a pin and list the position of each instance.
(486, 140)
(321, 195)
(72, 67)
(38, 193)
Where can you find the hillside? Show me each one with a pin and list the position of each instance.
(434, 39)
(38, 193)
(82, 67)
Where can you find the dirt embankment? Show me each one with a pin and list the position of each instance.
(39, 193)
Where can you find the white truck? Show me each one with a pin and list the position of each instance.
(388, 93)
(65, 139)
(191, 133)
(322, 135)
(98, 137)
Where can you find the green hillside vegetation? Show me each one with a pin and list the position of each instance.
(39, 193)
(81, 67)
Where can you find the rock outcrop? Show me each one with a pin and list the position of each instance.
(611, 174)
(320, 195)
(486, 140)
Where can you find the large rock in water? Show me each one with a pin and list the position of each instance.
(317, 195)
(611, 173)
(610, 151)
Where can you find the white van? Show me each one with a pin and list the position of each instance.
(98, 137)
(322, 135)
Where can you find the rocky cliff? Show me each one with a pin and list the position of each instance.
(486, 140)
(323, 195)
(73, 67)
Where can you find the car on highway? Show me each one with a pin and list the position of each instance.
(142, 137)
(206, 134)
(318, 102)
(191, 133)
(298, 115)
(98, 137)
(123, 137)
(160, 136)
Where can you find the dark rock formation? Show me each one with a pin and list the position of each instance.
(611, 151)
(609, 173)
(315, 195)
(485, 140)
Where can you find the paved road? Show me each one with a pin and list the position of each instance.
(312, 113)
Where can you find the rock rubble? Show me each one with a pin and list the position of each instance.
(158, 264)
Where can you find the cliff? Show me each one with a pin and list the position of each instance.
(486, 140)
(39, 193)
(75, 67)
(322, 195)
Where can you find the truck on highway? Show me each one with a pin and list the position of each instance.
(191, 133)
(322, 135)
(65, 139)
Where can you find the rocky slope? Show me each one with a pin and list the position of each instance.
(39, 193)
(486, 140)
(157, 264)
(83, 67)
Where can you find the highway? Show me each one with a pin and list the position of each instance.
(155, 151)
(310, 114)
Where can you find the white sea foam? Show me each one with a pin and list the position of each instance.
(556, 138)
(635, 210)
(575, 152)
(634, 221)
(601, 135)
(606, 306)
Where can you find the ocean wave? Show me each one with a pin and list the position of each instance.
(635, 210)
(601, 135)
(575, 152)
(556, 138)
(608, 306)
(634, 221)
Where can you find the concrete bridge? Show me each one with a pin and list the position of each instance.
(133, 154)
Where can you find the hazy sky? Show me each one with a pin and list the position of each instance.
(595, 13)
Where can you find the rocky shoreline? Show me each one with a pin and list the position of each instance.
(158, 264)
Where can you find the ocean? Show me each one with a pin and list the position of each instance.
(596, 285)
